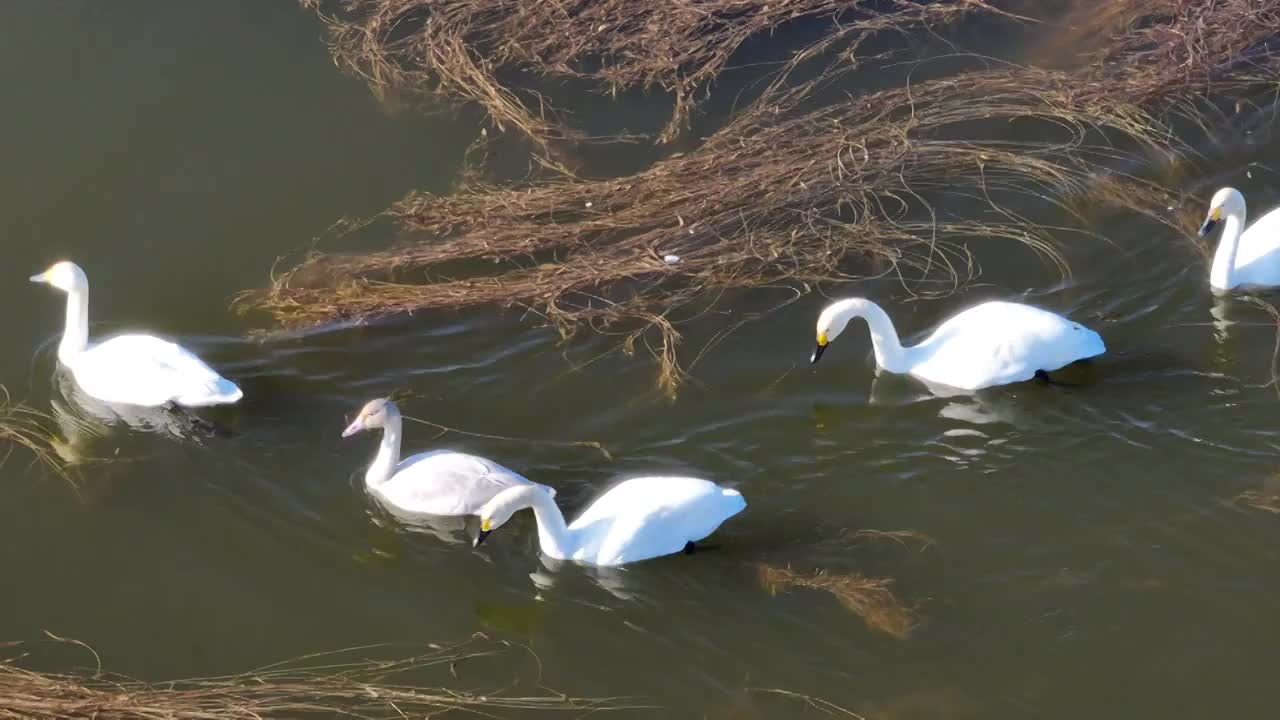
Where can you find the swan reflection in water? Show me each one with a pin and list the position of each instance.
(1006, 404)
(612, 580)
(449, 529)
(1221, 322)
(83, 419)
(455, 531)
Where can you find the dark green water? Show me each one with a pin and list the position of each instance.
(1089, 560)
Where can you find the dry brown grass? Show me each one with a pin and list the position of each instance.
(871, 599)
(798, 189)
(780, 196)
(905, 538)
(468, 50)
(1154, 49)
(1267, 502)
(24, 428)
(341, 684)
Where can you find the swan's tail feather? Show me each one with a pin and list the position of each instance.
(1093, 345)
(1099, 347)
(739, 503)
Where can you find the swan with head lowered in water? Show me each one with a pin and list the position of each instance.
(638, 519)
(130, 369)
(1245, 258)
(439, 482)
(993, 343)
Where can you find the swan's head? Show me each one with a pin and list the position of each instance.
(832, 322)
(65, 275)
(502, 506)
(1227, 201)
(374, 414)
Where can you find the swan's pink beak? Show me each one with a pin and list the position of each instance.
(356, 426)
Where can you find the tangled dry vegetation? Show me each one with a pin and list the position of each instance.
(1155, 50)
(795, 187)
(24, 428)
(470, 51)
(871, 599)
(1258, 500)
(327, 685)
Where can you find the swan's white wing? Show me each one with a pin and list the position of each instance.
(999, 342)
(647, 517)
(145, 370)
(443, 482)
(1258, 257)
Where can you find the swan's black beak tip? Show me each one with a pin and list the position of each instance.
(480, 538)
(1208, 227)
(817, 354)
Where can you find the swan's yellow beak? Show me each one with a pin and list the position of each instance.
(1215, 217)
(40, 277)
(820, 348)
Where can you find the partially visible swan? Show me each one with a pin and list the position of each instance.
(439, 482)
(640, 518)
(130, 369)
(993, 343)
(1245, 258)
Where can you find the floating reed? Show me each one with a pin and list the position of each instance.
(1267, 502)
(323, 685)
(871, 599)
(468, 50)
(22, 427)
(796, 189)
(778, 196)
(1180, 50)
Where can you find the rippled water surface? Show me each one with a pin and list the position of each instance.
(1087, 556)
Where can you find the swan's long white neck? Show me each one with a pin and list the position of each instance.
(75, 337)
(384, 463)
(890, 354)
(1222, 275)
(554, 536)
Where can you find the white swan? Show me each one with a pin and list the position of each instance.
(640, 518)
(130, 369)
(440, 482)
(1245, 258)
(993, 343)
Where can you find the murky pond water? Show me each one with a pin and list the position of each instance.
(1087, 556)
